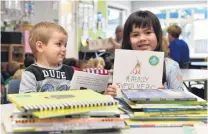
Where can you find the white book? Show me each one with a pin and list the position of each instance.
(85, 80)
(70, 124)
(135, 69)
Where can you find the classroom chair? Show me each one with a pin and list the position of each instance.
(13, 86)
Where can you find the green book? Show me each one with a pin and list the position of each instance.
(149, 95)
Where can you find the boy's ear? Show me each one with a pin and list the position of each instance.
(39, 46)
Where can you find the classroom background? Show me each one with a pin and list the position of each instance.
(96, 20)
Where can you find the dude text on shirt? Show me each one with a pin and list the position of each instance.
(54, 74)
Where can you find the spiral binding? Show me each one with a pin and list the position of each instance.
(69, 105)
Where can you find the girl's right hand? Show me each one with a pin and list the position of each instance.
(111, 90)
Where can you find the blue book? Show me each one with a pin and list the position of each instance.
(173, 109)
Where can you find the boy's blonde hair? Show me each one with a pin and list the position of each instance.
(174, 30)
(91, 62)
(99, 62)
(42, 32)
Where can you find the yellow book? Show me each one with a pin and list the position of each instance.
(52, 104)
(197, 112)
(134, 123)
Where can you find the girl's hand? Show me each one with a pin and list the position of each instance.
(161, 87)
(111, 90)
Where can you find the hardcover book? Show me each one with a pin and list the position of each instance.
(157, 95)
(135, 69)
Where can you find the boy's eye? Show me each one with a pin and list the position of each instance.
(59, 44)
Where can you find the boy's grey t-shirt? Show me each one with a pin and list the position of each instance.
(36, 78)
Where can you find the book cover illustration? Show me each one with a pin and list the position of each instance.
(137, 69)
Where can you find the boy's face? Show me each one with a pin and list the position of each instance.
(143, 39)
(55, 51)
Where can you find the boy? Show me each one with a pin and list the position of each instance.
(179, 50)
(48, 43)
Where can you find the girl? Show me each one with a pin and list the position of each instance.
(142, 31)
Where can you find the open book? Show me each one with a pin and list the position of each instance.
(85, 80)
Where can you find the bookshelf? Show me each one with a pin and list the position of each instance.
(12, 52)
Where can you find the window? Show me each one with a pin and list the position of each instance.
(115, 18)
(194, 24)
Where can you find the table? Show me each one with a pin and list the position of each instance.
(6, 110)
(196, 75)
(198, 55)
(199, 64)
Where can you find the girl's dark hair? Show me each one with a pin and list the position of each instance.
(143, 19)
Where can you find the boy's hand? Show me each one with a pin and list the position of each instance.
(111, 90)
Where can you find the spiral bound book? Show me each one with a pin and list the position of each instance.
(53, 104)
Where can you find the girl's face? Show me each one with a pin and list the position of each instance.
(143, 39)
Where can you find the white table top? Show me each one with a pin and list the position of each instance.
(198, 55)
(194, 74)
(199, 63)
(6, 110)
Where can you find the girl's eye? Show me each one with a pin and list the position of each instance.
(133, 35)
(148, 33)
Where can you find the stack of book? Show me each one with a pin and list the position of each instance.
(157, 107)
(65, 111)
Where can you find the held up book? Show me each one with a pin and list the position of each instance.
(135, 69)
(85, 80)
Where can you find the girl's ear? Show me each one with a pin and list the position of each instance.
(130, 43)
(39, 46)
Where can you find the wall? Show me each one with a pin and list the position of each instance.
(44, 11)
(122, 5)
(136, 5)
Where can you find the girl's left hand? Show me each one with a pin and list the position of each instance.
(111, 90)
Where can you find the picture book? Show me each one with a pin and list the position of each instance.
(170, 117)
(64, 124)
(137, 69)
(85, 80)
(157, 95)
(166, 107)
(176, 113)
(60, 103)
(134, 123)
